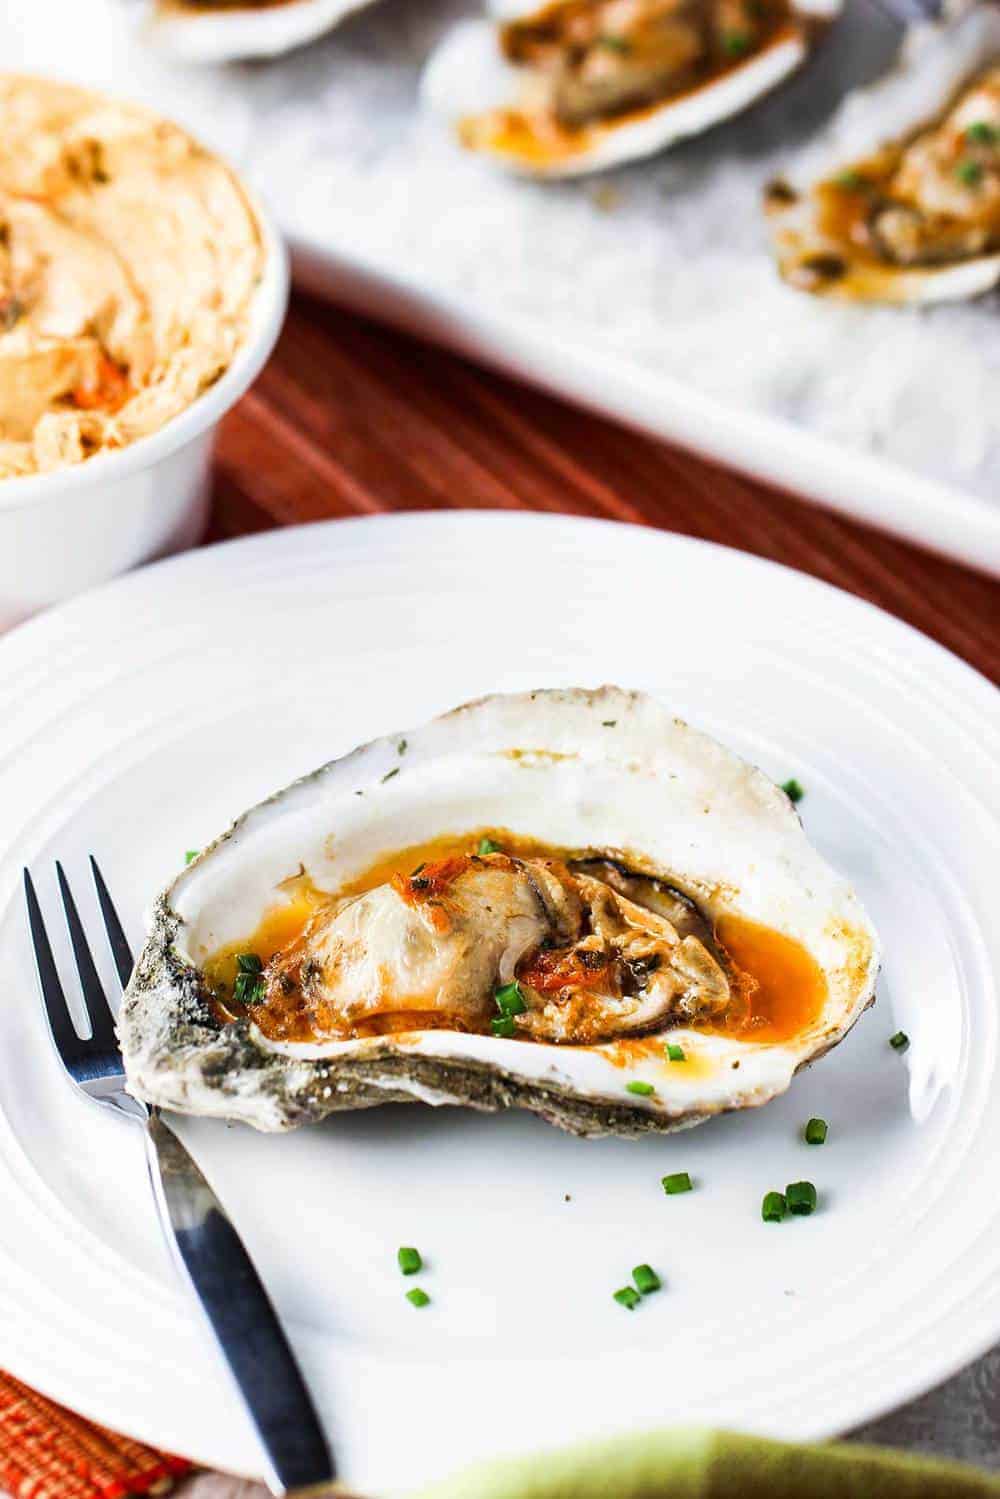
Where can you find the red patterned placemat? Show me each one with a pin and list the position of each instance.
(48, 1453)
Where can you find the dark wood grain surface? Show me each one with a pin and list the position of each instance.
(351, 418)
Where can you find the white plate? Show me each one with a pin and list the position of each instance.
(139, 719)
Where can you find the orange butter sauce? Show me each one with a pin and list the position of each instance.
(844, 208)
(789, 988)
(280, 925)
(631, 1051)
(845, 199)
(783, 987)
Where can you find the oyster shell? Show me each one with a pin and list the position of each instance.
(578, 85)
(900, 202)
(212, 31)
(522, 903)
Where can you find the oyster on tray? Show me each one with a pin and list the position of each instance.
(900, 201)
(577, 85)
(214, 31)
(566, 900)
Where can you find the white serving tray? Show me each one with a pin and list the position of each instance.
(647, 293)
(933, 514)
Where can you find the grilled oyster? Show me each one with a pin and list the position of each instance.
(566, 901)
(212, 31)
(576, 85)
(901, 203)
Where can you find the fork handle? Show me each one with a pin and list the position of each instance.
(211, 1258)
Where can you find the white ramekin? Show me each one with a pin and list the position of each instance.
(65, 531)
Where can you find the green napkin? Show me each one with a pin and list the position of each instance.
(695, 1464)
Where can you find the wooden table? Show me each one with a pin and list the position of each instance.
(350, 418)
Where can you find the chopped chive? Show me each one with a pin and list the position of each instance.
(736, 42)
(401, 747)
(614, 43)
(675, 1053)
(191, 855)
(390, 773)
(801, 1198)
(487, 846)
(900, 1041)
(502, 1025)
(644, 1090)
(627, 1297)
(249, 986)
(849, 181)
(417, 1297)
(249, 981)
(982, 133)
(510, 1000)
(970, 172)
(793, 789)
(772, 1209)
(608, 723)
(409, 1260)
(646, 1279)
(680, 1181)
(816, 1132)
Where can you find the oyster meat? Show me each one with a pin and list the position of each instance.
(588, 963)
(567, 901)
(213, 31)
(581, 84)
(902, 202)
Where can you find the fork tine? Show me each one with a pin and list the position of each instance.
(117, 940)
(68, 1043)
(101, 1025)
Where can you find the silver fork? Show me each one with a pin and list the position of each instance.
(205, 1246)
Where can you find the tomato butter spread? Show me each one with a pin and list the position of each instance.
(129, 256)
